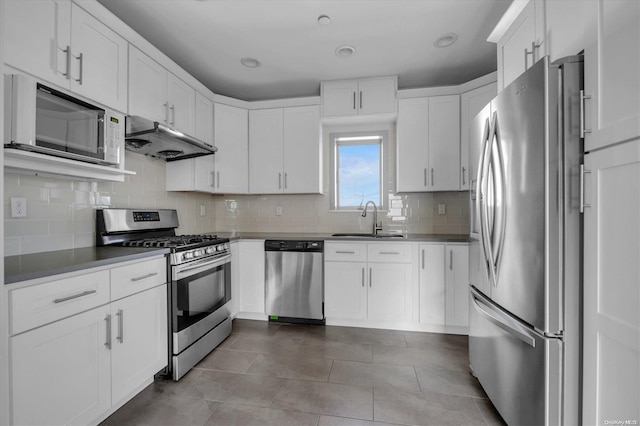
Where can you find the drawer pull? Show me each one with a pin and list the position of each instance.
(75, 296)
(345, 252)
(153, 274)
(390, 252)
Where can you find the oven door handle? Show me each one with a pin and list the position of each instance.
(205, 263)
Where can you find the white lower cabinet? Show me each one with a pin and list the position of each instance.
(251, 276)
(138, 340)
(372, 281)
(77, 369)
(61, 373)
(444, 284)
(432, 284)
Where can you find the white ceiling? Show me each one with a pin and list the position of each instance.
(392, 37)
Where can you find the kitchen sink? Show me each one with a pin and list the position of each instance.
(366, 235)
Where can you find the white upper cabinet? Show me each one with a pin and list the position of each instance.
(285, 150)
(428, 144)
(302, 150)
(102, 60)
(58, 42)
(612, 73)
(522, 44)
(204, 119)
(471, 103)
(158, 95)
(266, 151)
(357, 97)
(232, 140)
(36, 35)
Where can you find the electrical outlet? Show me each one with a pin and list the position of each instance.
(442, 209)
(18, 207)
(203, 211)
(278, 210)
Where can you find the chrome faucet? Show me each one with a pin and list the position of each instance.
(376, 227)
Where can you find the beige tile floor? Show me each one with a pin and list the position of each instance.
(281, 374)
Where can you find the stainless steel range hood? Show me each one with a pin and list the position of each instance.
(155, 139)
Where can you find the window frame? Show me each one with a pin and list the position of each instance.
(366, 137)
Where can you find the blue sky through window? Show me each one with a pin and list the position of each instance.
(358, 173)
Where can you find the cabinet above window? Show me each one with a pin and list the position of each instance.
(343, 98)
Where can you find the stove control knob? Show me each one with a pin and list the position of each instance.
(198, 253)
(210, 250)
(188, 255)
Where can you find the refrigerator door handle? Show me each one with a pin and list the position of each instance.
(485, 183)
(500, 211)
(501, 320)
(480, 195)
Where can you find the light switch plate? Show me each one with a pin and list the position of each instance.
(442, 209)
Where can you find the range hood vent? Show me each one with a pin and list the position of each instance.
(158, 140)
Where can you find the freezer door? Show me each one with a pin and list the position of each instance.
(519, 369)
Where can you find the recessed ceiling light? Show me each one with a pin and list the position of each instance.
(250, 62)
(345, 51)
(324, 20)
(446, 40)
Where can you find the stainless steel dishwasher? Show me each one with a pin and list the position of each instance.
(294, 281)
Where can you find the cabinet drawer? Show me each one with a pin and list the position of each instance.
(41, 304)
(389, 252)
(345, 252)
(130, 279)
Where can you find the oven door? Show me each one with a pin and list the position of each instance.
(199, 291)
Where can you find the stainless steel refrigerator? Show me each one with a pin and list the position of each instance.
(525, 268)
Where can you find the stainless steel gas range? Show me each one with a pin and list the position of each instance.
(200, 271)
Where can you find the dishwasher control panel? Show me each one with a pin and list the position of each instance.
(294, 245)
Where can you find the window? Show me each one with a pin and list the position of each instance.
(357, 170)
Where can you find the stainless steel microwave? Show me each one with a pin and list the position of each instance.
(44, 120)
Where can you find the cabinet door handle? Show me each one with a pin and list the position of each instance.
(143, 277)
(370, 275)
(451, 260)
(285, 180)
(423, 259)
(67, 51)
(80, 59)
(534, 46)
(425, 176)
(218, 178)
(166, 112)
(463, 173)
(583, 97)
(361, 99)
(213, 179)
(390, 252)
(354, 101)
(120, 336)
(108, 342)
(279, 180)
(582, 173)
(432, 179)
(75, 296)
(362, 277)
(173, 115)
(345, 252)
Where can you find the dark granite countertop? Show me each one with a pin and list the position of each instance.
(38, 265)
(442, 238)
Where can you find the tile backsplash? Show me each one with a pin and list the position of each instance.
(61, 212)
